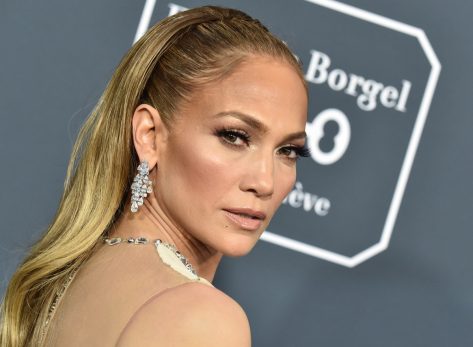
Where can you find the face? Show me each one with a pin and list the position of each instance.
(230, 158)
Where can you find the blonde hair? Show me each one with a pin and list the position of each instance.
(176, 56)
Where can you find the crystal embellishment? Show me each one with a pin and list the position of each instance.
(114, 241)
(141, 186)
(141, 241)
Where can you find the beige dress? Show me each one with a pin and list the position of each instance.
(109, 289)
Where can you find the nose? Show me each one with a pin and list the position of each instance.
(258, 177)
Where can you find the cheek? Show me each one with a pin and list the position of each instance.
(199, 175)
(284, 182)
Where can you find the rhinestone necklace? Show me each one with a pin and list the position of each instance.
(143, 241)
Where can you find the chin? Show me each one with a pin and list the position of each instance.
(238, 246)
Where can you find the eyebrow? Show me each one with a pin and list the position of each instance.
(251, 121)
(256, 124)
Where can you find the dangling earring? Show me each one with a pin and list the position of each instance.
(141, 186)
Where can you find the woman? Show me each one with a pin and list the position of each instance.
(211, 108)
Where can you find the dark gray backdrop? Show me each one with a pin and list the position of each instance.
(57, 56)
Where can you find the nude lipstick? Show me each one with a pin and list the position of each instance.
(245, 218)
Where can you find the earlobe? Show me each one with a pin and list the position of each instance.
(148, 132)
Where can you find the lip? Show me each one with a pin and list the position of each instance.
(252, 221)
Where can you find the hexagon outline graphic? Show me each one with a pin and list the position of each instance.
(413, 144)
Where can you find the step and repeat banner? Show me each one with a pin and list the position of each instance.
(373, 245)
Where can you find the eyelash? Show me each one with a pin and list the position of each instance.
(225, 132)
(245, 137)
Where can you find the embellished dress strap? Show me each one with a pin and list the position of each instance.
(167, 252)
(172, 258)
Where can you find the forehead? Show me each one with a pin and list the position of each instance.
(268, 90)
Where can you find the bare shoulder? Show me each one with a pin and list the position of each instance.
(192, 314)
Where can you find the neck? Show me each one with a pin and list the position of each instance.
(151, 222)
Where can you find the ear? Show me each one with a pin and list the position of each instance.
(149, 134)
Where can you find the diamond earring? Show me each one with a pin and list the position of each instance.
(141, 186)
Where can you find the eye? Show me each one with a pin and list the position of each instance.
(234, 137)
(294, 152)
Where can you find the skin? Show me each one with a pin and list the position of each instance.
(199, 169)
